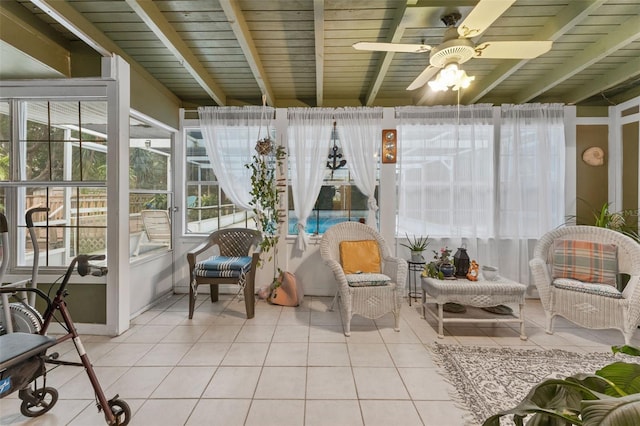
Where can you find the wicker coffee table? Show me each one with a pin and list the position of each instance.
(480, 294)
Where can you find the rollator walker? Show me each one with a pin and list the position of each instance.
(23, 355)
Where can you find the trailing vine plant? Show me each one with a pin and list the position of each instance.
(265, 195)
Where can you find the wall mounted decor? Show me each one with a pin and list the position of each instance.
(389, 145)
(593, 156)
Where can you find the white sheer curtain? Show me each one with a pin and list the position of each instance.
(532, 174)
(360, 130)
(230, 135)
(446, 179)
(458, 189)
(309, 139)
(532, 158)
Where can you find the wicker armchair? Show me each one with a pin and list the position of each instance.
(369, 301)
(239, 243)
(588, 309)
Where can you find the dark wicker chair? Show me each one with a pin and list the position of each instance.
(232, 242)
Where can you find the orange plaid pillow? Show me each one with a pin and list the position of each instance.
(585, 261)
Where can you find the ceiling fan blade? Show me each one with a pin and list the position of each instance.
(392, 47)
(424, 76)
(512, 49)
(482, 16)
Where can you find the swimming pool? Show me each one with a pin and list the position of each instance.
(320, 221)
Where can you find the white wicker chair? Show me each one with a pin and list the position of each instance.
(586, 309)
(370, 301)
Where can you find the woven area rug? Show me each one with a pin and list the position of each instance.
(488, 380)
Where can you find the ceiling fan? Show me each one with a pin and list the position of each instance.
(457, 47)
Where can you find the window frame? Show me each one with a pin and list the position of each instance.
(220, 206)
(18, 184)
(329, 180)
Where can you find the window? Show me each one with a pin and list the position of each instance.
(207, 207)
(339, 200)
(532, 170)
(59, 162)
(5, 149)
(56, 157)
(446, 173)
(150, 196)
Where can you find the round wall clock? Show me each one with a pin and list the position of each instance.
(593, 156)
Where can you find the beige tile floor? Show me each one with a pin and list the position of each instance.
(287, 366)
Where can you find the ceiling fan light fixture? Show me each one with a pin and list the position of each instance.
(451, 76)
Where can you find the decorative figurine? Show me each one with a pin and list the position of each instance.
(474, 270)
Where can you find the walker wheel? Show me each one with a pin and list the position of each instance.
(121, 411)
(44, 399)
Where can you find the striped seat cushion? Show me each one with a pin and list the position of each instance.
(585, 261)
(223, 267)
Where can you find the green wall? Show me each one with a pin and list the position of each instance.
(86, 302)
(630, 176)
(591, 181)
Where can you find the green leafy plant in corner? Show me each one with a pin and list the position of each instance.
(623, 221)
(610, 397)
(265, 195)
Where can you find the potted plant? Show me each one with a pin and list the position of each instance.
(624, 221)
(417, 245)
(265, 193)
(441, 266)
(611, 396)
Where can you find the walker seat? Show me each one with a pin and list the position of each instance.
(17, 347)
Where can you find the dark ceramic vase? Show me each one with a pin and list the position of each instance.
(447, 270)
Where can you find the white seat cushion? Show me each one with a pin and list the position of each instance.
(592, 288)
(364, 280)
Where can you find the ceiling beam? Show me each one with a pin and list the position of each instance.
(623, 97)
(625, 34)
(318, 27)
(155, 20)
(243, 35)
(397, 31)
(555, 27)
(17, 31)
(77, 24)
(73, 21)
(601, 83)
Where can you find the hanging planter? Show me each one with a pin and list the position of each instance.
(265, 193)
(264, 146)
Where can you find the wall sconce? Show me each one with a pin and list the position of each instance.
(389, 145)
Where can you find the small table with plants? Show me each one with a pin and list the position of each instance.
(481, 294)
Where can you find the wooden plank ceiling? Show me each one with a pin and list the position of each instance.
(298, 52)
